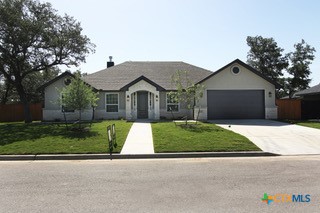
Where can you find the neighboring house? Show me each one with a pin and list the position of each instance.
(310, 104)
(140, 90)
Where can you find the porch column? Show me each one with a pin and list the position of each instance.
(128, 106)
(157, 105)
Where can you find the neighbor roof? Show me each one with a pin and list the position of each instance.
(311, 91)
(158, 73)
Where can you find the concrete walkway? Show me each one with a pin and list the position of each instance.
(139, 139)
(276, 137)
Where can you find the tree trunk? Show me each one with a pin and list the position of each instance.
(4, 98)
(24, 100)
(80, 119)
(92, 118)
(65, 119)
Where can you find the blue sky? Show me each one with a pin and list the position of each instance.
(205, 33)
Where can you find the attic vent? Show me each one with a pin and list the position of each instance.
(235, 70)
(67, 81)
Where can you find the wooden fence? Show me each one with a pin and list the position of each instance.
(15, 112)
(289, 109)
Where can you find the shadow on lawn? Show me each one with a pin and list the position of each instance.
(199, 128)
(16, 132)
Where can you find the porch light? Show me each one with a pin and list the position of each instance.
(128, 97)
(156, 97)
(270, 94)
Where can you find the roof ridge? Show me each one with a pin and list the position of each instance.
(155, 61)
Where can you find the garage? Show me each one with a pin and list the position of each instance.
(236, 104)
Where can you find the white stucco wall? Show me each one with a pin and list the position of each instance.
(183, 111)
(52, 94)
(245, 80)
(52, 109)
(101, 111)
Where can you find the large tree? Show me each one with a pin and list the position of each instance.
(31, 83)
(299, 68)
(5, 90)
(34, 38)
(266, 57)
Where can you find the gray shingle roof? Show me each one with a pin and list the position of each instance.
(310, 91)
(116, 77)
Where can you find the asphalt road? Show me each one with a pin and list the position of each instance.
(179, 185)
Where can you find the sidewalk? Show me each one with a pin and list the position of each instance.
(139, 139)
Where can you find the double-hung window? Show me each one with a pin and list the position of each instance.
(172, 102)
(112, 102)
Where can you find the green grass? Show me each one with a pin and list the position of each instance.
(39, 138)
(200, 138)
(312, 124)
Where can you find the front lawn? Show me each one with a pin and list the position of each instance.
(312, 124)
(39, 138)
(203, 137)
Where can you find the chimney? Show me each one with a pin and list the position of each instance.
(110, 63)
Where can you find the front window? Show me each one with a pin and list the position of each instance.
(112, 102)
(172, 102)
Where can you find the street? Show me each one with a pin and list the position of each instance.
(166, 185)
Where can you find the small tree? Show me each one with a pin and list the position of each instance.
(78, 96)
(187, 91)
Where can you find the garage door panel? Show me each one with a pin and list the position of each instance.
(235, 104)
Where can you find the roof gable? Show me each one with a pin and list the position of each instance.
(238, 61)
(65, 74)
(126, 87)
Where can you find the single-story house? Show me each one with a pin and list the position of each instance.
(310, 102)
(140, 90)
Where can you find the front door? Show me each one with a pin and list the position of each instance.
(142, 105)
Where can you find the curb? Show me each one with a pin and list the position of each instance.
(134, 156)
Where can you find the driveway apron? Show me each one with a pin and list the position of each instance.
(139, 139)
(276, 137)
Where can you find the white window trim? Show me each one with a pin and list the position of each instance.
(105, 101)
(171, 104)
(61, 104)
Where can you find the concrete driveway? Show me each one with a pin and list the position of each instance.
(276, 137)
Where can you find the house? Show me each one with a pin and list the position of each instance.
(310, 102)
(140, 90)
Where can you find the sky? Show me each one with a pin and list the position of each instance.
(204, 33)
